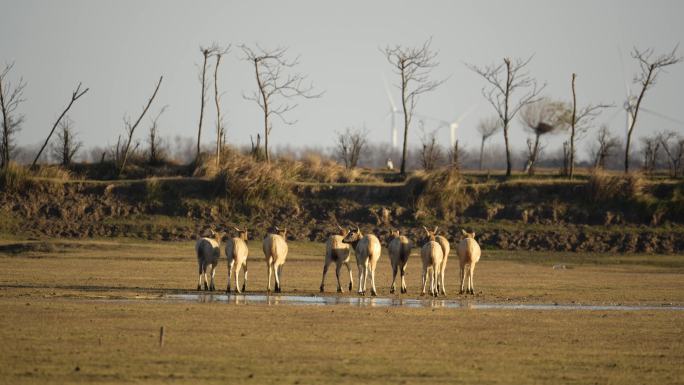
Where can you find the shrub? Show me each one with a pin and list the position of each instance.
(14, 177)
(603, 188)
(442, 192)
(249, 185)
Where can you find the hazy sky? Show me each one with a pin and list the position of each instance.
(120, 48)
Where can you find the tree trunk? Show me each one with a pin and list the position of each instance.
(634, 115)
(132, 128)
(508, 150)
(218, 112)
(482, 152)
(264, 99)
(199, 128)
(5, 130)
(406, 123)
(74, 96)
(533, 156)
(572, 129)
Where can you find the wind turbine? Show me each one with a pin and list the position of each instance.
(453, 125)
(392, 112)
(630, 103)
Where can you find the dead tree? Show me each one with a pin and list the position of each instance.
(505, 80)
(74, 97)
(607, 145)
(487, 128)
(540, 118)
(650, 68)
(256, 152)
(220, 134)
(566, 158)
(579, 121)
(413, 66)
(156, 153)
(11, 96)
(673, 145)
(130, 128)
(350, 145)
(206, 53)
(431, 152)
(650, 149)
(273, 84)
(67, 145)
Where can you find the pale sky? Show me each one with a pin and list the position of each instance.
(120, 48)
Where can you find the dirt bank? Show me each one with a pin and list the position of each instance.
(514, 216)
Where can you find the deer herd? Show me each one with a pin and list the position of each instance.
(434, 253)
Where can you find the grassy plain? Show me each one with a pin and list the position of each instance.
(90, 312)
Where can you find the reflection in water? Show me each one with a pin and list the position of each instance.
(252, 299)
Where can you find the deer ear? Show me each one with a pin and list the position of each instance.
(436, 227)
(472, 234)
(464, 232)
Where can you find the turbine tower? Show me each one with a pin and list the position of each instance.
(391, 114)
(453, 125)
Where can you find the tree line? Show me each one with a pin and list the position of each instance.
(510, 90)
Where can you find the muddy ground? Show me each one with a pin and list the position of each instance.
(89, 312)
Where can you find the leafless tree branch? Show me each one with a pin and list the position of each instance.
(503, 81)
(650, 68)
(413, 65)
(130, 128)
(276, 85)
(74, 96)
(11, 96)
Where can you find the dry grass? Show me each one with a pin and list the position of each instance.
(603, 187)
(16, 177)
(442, 192)
(249, 185)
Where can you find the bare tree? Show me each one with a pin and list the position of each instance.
(11, 96)
(67, 145)
(130, 128)
(540, 118)
(487, 128)
(505, 80)
(650, 68)
(673, 145)
(206, 53)
(220, 133)
(606, 147)
(650, 149)
(156, 152)
(431, 152)
(413, 65)
(255, 151)
(579, 121)
(350, 145)
(74, 97)
(274, 84)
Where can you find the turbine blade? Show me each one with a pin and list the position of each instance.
(389, 93)
(662, 116)
(468, 112)
(628, 92)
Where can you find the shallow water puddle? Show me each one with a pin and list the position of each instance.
(246, 299)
